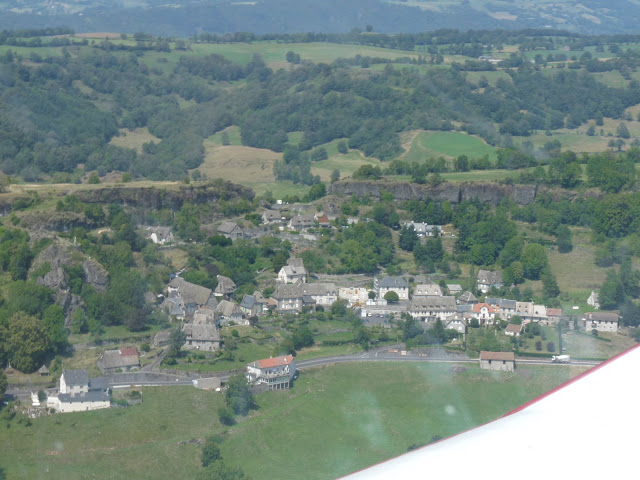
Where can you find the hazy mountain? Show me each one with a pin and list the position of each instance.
(288, 16)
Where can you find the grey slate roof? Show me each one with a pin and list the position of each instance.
(446, 303)
(393, 282)
(299, 290)
(228, 309)
(248, 301)
(122, 358)
(489, 278)
(96, 396)
(76, 377)
(468, 297)
(190, 292)
(228, 227)
(202, 332)
(428, 289)
(225, 285)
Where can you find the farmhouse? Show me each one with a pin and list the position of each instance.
(230, 312)
(554, 315)
(456, 322)
(467, 298)
(276, 372)
(488, 279)
(323, 220)
(293, 299)
(186, 297)
(203, 337)
(249, 306)
(271, 217)
(302, 222)
(78, 393)
(392, 284)
(424, 229)
(124, 359)
(602, 322)
(498, 361)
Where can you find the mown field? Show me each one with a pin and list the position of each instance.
(335, 420)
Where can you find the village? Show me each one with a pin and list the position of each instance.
(201, 313)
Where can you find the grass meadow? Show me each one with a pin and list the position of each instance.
(448, 144)
(333, 421)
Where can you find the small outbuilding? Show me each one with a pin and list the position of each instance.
(498, 361)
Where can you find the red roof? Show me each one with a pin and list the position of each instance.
(478, 307)
(128, 352)
(554, 312)
(512, 327)
(275, 361)
(497, 356)
(323, 218)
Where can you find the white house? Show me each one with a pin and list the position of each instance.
(354, 295)
(432, 308)
(424, 229)
(392, 284)
(277, 372)
(160, 235)
(79, 394)
(484, 313)
(293, 272)
(488, 279)
(429, 289)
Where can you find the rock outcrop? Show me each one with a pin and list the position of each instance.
(486, 192)
(95, 274)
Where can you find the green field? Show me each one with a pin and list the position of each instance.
(335, 420)
(448, 144)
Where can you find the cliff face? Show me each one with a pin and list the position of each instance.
(454, 193)
(157, 198)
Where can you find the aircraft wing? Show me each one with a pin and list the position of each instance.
(584, 429)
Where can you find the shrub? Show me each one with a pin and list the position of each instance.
(210, 452)
(551, 347)
(145, 347)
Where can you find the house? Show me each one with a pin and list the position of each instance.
(302, 222)
(505, 308)
(456, 322)
(263, 303)
(231, 312)
(187, 297)
(429, 289)
(210, 383)
(554, 315)
(525, 310)
(204, 337)
(432, 308)
(323, 294)
(43, 371)
(206, 315)
(161, 339)
(498, 361)
(467, 298)
(484, 313)
(488, 280)
(539, 313)
(270, 217)
(354, 295)
(392, 284)
(78, 393)
(424, 229)
(249, 306)
(290, 299)
(593, 300)
(454, 288)
(160, 235)
(124, 359)
(293, 272)
(323, 220)
(513, 330)
(277, 373)
(600, 321)
(230, 230)
(225, 287)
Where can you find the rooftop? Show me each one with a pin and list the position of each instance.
(509, 356)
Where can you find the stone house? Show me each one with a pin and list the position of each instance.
(206, 315)
(424, 229)
(230, 230)
(554, 315)
(124, 359)
(391, 284)
(454, 288)
(432, 308)
(488, 279)
(204, 337)
(230, 312)
(323, 294)
(277, 373)
(322, 220)
(498, 361)
(225, 288)
(271, 217)
(250, 306)
(291, 299)
(600, 321)
(302, 222)
(467, 298)
(187, 297)
(456, 322)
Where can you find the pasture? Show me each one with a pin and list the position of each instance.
(333, 421)
(449, 145)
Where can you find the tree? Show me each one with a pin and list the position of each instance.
(551, 347)
(302, 337)
(221, 471)
(550, 287)
(622, 131)
(238, 396)
(391, 297)
(94, 178)
(539, 345)
(339, 308)
(335, 175)
(408, 238)
(210, 451)
(225, 415)
(78, 322)
(565, 245)
(3, 384)
(342, 147)
(612, 292)
(534, 260)
(53, 321)
(176, 340)
(27, 343)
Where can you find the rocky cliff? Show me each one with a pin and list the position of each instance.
(486, 192)
(157, 198)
